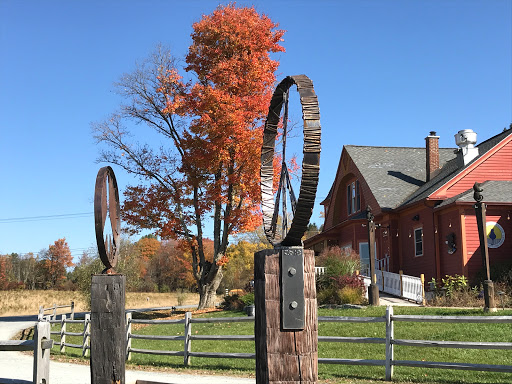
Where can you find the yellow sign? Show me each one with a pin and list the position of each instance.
(495, 234)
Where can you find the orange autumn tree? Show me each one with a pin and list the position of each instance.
(55, 261)
(208, 168)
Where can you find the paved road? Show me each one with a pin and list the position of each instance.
(16, 367)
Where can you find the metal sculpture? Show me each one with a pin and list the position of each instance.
(108, 327)
(108, 247)
(303, 206)
(284, 277)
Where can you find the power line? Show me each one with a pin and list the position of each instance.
(47, 217)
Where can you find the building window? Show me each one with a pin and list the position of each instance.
(418, 242)
(353, 198)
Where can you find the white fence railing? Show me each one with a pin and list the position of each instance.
(398, 284)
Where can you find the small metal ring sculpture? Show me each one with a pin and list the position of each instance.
(303, 207)
(107, 248)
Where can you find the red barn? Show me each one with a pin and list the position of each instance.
(423, 200)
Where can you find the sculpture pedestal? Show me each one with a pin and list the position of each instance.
(108, 329)
(283, 356)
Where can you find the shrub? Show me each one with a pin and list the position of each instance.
(232, 303)
(340, 273)
(351, 295)
(247, 299)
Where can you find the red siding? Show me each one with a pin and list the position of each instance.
(495, 167)
(450, 264)
(337, 210)
(411, 264)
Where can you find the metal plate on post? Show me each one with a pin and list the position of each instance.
(292, 288)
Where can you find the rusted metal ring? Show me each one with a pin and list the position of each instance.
(310, 162)
(107, 248)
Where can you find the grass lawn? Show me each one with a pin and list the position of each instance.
(338, 373)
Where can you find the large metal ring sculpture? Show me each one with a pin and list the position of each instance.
(303, 207)
(108, 248)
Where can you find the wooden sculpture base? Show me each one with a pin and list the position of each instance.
(291, 356)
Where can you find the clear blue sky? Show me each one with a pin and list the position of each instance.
(386, 73)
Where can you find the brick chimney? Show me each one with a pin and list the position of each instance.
(432, 147)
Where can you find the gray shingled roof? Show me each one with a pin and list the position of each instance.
(493, 192)
(393, 173)
(453, 168)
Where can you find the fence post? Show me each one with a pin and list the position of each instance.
(72, 315)
(187, 343)
(54, 311)
(41, 313)
(389, 343)
(86, 338)
(401, 273)
(128, 335)
(63, 334)
(41, 373)
(423, 300)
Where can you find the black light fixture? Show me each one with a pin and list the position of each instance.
(416, 218)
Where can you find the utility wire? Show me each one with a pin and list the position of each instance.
(48, 217)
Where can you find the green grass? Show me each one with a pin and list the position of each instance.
(340, 373)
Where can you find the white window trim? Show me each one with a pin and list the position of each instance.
(422, 243)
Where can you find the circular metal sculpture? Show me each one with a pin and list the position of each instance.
(108, 247)
(303, 206)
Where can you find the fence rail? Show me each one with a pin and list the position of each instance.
(389, 342)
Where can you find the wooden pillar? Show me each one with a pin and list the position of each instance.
(41, 372)
(108, 329)
(283, 356)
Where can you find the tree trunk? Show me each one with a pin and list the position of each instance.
(208, 291)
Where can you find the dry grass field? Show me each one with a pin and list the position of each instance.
(26, 302)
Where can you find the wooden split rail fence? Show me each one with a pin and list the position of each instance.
(53, 309)
(41, 345)
(389, 342)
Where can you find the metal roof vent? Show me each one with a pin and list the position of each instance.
(466, 140)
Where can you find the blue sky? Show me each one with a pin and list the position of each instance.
(386, 73)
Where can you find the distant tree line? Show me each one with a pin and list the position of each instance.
(149, 264)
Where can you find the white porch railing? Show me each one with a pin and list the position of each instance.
(398, 284)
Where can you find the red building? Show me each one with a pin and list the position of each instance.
(423, 200)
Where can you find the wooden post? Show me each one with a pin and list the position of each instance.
(63, 334)
(481, 222)
(423, 299)
(401, 273)
(373, 291)
(128, 336)
(108, 329)
(54, 316)
(283, 356)
(187, 343)
(41, 313)
(72, 315)
(389, 343)
(87, 332)
(41, 373)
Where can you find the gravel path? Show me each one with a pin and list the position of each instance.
(16, 367)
